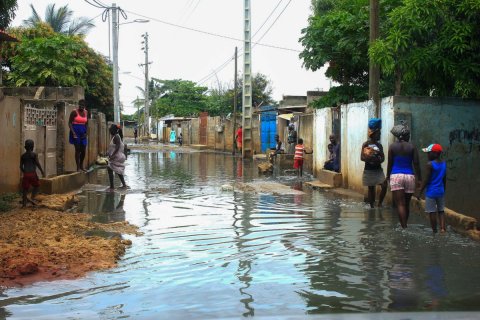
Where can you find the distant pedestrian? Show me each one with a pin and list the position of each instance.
(239, 138)
(402, 170)
(435, 182)
(116, 158)
(78, 123)
(135, 133)
(173, 136)
(298, 157)
(180, 139)
(373, 156)
(291, 138)
(28, 165)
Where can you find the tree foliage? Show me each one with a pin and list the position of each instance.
(426, 47)
(46, 58)
(7, 12)
(61, 20)
(182, 98)
(221, 100)
(433, 47)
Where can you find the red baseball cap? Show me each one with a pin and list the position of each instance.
(433, 148)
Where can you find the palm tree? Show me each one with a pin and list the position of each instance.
(61, 20)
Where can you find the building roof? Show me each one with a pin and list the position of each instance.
(4, 37)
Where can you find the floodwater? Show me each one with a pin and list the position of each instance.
(208, 253)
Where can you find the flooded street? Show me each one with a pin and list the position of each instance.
(208, 253)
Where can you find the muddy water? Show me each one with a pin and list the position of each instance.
(207, 253)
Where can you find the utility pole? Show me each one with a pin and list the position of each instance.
(116, 93)
(374, 70)
(247, 143)
(235, 103)
(147, 93)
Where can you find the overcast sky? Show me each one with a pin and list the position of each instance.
(178, 53)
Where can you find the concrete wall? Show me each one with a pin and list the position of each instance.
(322, 128)
(305, 131)
(455, 124)
(11, 148)
(195, 131)
(354, 128)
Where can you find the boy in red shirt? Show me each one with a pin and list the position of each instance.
(298, 157)
(28, 165)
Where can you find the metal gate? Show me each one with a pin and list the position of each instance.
(203, 127)
(40, 125)
(268, 129)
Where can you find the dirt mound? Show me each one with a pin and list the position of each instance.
(38, 243)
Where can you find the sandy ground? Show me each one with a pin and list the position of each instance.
(46, 243)
(261, 187)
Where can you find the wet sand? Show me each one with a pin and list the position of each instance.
(46, 243)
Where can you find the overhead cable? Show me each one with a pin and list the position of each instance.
(210, 33)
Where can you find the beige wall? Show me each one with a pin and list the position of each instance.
(305, 131)
(11, 148)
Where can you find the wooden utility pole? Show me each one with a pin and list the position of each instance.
(374, 70)
(235, 102)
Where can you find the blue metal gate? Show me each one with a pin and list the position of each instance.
(268, 127)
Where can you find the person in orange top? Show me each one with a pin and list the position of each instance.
(239, 138)
(298, 157)
(78, 123)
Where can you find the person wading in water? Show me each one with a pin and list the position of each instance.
(403, 167)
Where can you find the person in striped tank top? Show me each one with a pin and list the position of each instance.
(298, 157)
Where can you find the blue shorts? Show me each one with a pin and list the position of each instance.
(433, 205)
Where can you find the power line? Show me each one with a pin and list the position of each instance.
(223, 65)
(210, 33)
(264, 22)
(278, 17)
(96, 5)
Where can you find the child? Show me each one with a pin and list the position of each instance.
(435, 183)
(28, 165)
(373, 156)
(298, 158)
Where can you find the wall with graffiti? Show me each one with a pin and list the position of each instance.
(455, 124)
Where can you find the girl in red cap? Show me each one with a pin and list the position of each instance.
(435, 183)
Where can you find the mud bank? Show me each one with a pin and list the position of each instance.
(46, 243)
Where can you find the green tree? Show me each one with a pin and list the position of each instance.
(7, 12)
(179, 97)
(61, 20)
(337, 36)
(46, 58)
(220, 100)
(53, 61)
(433, 48)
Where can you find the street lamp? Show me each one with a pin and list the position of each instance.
(116, 88)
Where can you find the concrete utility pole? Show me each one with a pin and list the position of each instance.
(147, 93)
(235, 103)
(247, 143)
(116, 92)
(374, 70)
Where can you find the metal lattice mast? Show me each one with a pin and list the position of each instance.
(247, 149)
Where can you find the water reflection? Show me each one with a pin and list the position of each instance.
(208, 253)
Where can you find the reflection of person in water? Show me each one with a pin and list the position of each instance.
(403, 293)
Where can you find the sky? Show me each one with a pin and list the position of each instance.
(179, 53)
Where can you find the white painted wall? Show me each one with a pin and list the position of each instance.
(354, 124)
(322, 128)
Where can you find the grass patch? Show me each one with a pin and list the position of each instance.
(6, 200)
